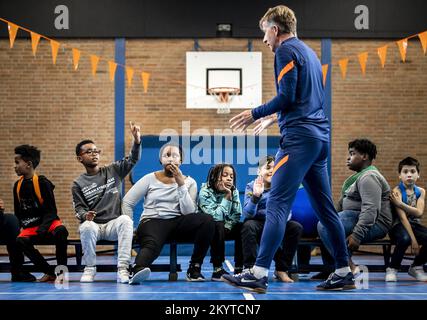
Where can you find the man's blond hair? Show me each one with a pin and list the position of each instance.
(281, 16)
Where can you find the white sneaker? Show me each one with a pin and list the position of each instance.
(122, 275)
(391, 275)
(88, 274)
(418, 273)
(140, 276)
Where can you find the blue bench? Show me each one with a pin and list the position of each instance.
(173, 267)
(385, 244)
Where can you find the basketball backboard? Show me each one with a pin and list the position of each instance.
(240, 70)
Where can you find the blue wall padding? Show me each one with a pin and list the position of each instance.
(243, 153)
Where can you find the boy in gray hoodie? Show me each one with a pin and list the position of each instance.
(364, 208)
(97, 202)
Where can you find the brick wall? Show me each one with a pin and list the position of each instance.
(388, 106)
(54, 107)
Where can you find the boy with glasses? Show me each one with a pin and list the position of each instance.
(97, 202)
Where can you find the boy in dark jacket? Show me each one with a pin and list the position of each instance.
(36, 211)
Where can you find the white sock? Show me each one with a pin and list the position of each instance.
(259, 272)
(342, 272)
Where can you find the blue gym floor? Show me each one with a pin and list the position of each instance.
(159, 288)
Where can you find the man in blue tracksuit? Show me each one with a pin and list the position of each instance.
(304, 146)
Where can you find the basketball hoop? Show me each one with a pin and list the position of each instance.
(223, 96)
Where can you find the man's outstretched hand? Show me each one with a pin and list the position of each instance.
(241, 121)
(264, 123)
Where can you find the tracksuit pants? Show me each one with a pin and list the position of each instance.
(301, 160)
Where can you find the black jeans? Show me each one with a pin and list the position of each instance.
(251, 235)
(401, 238)
(152, 234)
(58, 237)
(218, 244)
(9, 230)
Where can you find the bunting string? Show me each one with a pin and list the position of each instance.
(362, 57)
(77, 53)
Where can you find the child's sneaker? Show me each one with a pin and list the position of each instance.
(336, 282)
(218, 273)
(88, 274)
(194, 272)
(122, 275)
(47, 278)
(391, 275)
(246, 280)
(140, 276)
(418, 273)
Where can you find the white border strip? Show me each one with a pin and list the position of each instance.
(83, 293)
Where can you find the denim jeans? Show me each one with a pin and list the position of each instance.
(401, 238)
(349, 219)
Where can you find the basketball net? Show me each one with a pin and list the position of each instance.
(223, 96)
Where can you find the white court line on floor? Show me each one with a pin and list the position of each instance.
(112, 292)
(249, 296)
(215, 292)
(229, 265)
(348, 293)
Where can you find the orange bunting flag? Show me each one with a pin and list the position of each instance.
(363, 57)
(35, 38)
(55, 47)
(76, 58)
(343, 66)
(145, 77)
(129, 75)
(94, 61)
(112, 66)
(403, 45)
(13, 30)
(382, 53)
(423, 39)
(325, 73)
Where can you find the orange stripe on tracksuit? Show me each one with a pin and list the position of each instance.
(280, 163)
(285, 70)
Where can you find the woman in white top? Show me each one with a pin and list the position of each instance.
(170, 212)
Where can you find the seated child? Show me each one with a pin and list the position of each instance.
(36, 211)
(220, 199)
(254, 208)
(170, 213)
(97, 203)
(364, 208)
(407, 230)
